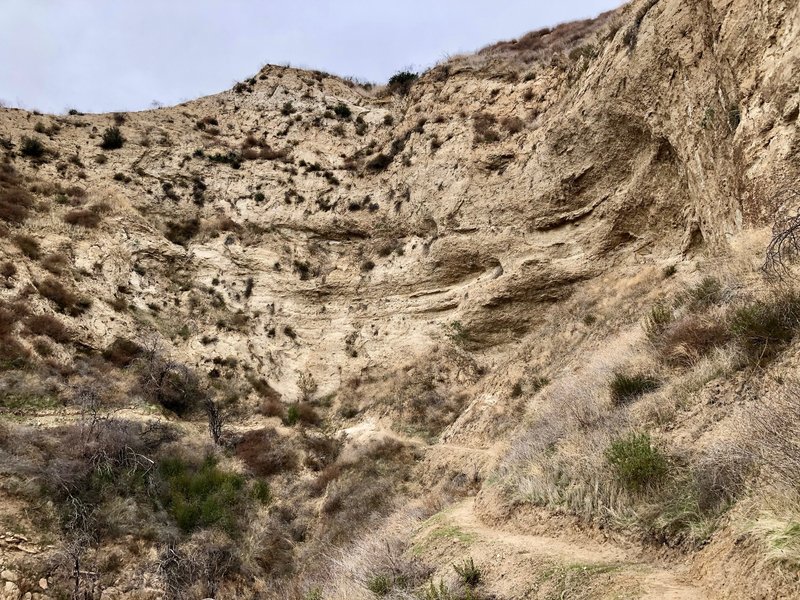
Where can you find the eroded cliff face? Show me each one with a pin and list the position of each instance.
(301, 225)
(648, 141)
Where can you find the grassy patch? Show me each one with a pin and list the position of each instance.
(572, 581)
(627, 388)
(201, 496)
(637, 464)
(28, 402)
(443, 532)
(764, 328)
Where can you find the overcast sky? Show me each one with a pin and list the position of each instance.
(105, 55)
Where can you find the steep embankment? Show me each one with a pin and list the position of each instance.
(413, 292)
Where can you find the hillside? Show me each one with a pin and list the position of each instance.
(313, 339)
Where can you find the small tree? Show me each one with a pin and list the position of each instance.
(167, 382)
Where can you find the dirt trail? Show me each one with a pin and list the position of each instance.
(653, 581)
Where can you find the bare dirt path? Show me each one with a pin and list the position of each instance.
(515, 561)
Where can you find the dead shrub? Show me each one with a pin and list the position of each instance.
(689, 339)
(66, 300)
(122, 352)
(251, 153)
(29, 246)
(15, 202)
(426, 404)
(8, 319)
(181, 233)
(268, 153)
(55, 263)
(168, 383)
(48, 326)
(272, 407)
(513, 125)
(87, 218)
(302, 413)
(13, 355)
(8, 269)
(321, 450)
(483, 124)
(771, 430)
(266, 452)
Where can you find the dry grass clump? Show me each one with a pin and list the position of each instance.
(546, 44)
(56, 263)
(15, 201)
(320, 450)
(89, 218)
(709, 316)
(49, 326)
(29, 246)
(123, 352)
(358, 489)
(65, 299)
(266, 452)
(626, 388)
(484, 126)
(687, 340)
(580, 456)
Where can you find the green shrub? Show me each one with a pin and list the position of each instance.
(380, 585)
(201, 496)
(231, 158)
(708, 292)
(342, 111)
(627, 388)
(112, 139)
(301, 412)
(763, 328)
(637, 464)
(470, 574)
(31, 147)
(314, 594)
(401, 82)
(261, 492)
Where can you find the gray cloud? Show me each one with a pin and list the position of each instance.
(104, 55)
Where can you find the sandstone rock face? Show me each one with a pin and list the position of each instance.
(262, 236)
(643, 145)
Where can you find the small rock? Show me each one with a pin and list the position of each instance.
(11, 589)
(9, 575)
(43, 583)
